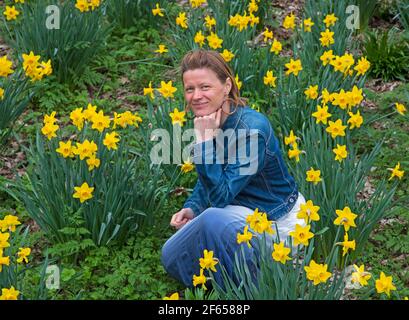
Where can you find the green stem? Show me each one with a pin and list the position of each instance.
(384, 116)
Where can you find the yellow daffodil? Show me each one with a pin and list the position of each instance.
(263, 225)
(77, 118)
(252, 219)
(259, 222)
(326, 96)
(253, 20)
(245, 237)
(276, 47)
(49, 130)
(336, 129)
(400, 108)
(327, 57)
(174, 296)
(93, 162)
(196, 3)
(208, 261)
(294, 152)
(340, 152)
(166, 89)
(111, 140)
(90, 112)
(11, 13)
(238, 82)
(280, 253)
(301, 235)
(9, 294)
(178, 117)
(356, 96)
(347, 245)
(311, 92)
(187, 166)
(4, 237)
(83, 193)
(1, 93)
(308, 212)
(355, 120)
(294, 66)
(362, 66)
(327, 38)
(267, 34)
(330, 20)
(289, 21)
(65, 149)
(308, 23)
(30, 61)
(384, 284)
(4, 261)
(23, 255)
(199, 38)
(317, 272)
(396, 172)
(200, 279)
(291, 139)
(322, 114)
(149, 91)
(269, 79)
(227, 55)
(341, 99)
(86, 149)
(345, 218)
(347, 61)
(210, 22)
(313, 176)
(337, 63)
(157, 11)
(214, 41)
(100, 121)
(252, 7)
(9, 223)
(360, 275)
(181, 20)
(5, 67)
(162, 49)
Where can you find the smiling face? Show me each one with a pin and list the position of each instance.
(204, 91)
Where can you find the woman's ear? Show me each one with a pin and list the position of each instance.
(228, 86)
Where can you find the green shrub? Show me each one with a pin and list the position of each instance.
(388, 53)
(16, 99)
(71, 47)
(128, 13)
(125, 188)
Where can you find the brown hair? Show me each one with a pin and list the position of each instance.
(198, 59)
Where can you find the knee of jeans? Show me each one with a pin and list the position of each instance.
(166, 255)
(211, 218)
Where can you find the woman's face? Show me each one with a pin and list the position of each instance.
(205, 91)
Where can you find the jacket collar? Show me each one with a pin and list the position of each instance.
(233, 119)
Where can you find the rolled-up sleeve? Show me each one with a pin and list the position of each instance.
(198, 199)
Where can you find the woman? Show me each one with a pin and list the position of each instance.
(250, 175)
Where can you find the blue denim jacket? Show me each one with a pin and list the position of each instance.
(233, 175)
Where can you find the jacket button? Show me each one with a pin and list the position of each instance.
(291, 200)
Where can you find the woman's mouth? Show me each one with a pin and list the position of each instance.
(200, 105)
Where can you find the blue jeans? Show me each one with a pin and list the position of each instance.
(215, 229)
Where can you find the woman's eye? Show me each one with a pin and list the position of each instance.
(189, 90)
(205, 87)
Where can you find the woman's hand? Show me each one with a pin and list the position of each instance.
(205, 126)
(180, 218)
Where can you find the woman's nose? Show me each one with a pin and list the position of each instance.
(197, 94)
